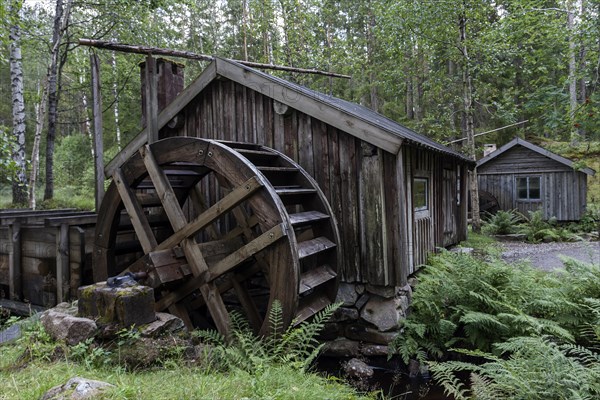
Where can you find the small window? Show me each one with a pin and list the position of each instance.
(529, 188)
(420, 194)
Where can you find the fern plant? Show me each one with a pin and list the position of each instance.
(501, 223)
(296, 346)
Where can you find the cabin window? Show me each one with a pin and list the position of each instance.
(420, 194)
(528, 188)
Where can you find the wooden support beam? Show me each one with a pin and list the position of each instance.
(14, 262)
(136, 213)
(127, 48)
(62, 263)
(98, 131)
(151, 106)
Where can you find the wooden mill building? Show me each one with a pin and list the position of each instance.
(397, 195)
(525, 177)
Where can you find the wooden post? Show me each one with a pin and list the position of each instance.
(62, 262)
(151, 104)
(98, 134)
(404, 247)
(14, 261)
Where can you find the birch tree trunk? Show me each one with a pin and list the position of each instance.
(572, 72)
(468, 125)
(115, 90)
(19, 187)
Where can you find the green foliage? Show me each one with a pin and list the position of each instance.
(530, 368)
(8, 167)
(295, 347)
(537, 229)
(501, 223)
(488, 302)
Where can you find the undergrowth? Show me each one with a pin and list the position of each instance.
(512, 327)
(275, 366)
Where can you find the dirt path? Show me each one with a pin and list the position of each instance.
(546, 255)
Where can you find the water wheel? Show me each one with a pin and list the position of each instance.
(219, 226)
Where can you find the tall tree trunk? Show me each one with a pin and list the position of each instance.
(468, 125)
(40, 115)
(19, 187)
(61, 18)
(115, 89)
(572, 72)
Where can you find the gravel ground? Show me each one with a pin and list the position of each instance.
(546, 255)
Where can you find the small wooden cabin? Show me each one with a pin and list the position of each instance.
(396, 195)
(525, 177)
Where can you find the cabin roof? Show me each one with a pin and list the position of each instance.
(537, 149)
(352, 118)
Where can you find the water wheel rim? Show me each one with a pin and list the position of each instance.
(236, 169)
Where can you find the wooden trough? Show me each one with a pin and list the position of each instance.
(44, 256)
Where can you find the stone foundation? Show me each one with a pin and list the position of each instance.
(367, 321)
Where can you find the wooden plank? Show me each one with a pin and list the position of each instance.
(231, 200)
(305, 144)
(62, 263)
(315, 277)
(349, 212)
(20, 308)
(309, 306)
(307, 217)
(314, 246)
(245, 252)
(164, 117)
(136, 213)
(84, 218)
(14, 262)
(312, 106)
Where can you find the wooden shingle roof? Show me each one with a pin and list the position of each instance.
(537, 149)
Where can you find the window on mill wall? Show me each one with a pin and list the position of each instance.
(420, 194)
(528, 188)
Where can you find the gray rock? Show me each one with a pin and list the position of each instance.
(383, 313)
(345, 314)
(405, 291)
(383, 291)
(373, 350)
(72, 330)
(368, 335)
(346, 294)
(77, 389)
(165, 324)
(360, 288)
(11, 333)
(355, 368)
(362, 301)
(67, 308)
(342, 348)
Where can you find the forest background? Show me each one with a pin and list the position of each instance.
(446, 69)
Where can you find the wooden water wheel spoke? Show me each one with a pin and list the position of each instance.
(224, 205)
(136, 213)
(245, 226)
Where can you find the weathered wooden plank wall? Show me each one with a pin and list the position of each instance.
(350, 173)
(563, 193)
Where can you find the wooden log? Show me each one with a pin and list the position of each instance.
(127, 48)
(20, 308)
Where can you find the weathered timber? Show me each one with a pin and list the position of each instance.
(127, 48)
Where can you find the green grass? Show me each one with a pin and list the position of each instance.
(174, 382)
(67, 197)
